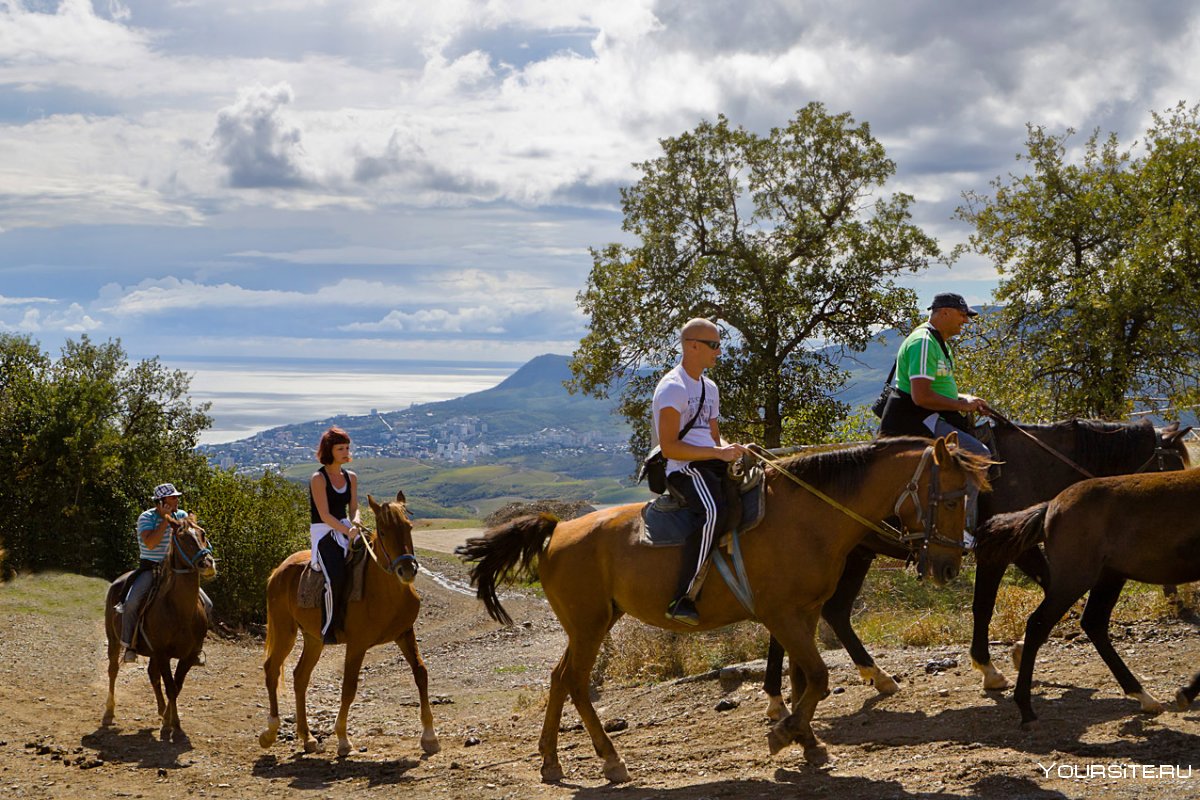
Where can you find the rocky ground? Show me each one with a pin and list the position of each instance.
(706, 738)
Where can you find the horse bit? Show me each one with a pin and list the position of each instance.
(191, 561)
(394, 564)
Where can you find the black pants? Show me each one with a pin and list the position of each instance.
(705, 488)
(333, 564)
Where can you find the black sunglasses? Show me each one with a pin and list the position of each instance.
(713, 344)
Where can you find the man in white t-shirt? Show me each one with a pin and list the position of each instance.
(696, 462)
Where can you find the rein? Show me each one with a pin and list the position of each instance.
(394, 564)
(1005, 420)
(929, 532)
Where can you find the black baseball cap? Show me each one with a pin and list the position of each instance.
(952, 300)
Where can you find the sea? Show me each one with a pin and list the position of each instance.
(249, 395)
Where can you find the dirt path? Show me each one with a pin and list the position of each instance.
(940, 736)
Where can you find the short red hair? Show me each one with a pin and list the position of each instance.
(331, 437)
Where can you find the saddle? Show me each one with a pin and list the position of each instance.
(123, 584)
(311, 591)
(668, 522)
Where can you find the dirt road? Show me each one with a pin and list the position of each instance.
(941, 735)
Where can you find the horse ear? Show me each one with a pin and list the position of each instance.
(371, 502)
(1173, 433)
(941, 452)
(952, 439)
(1170, 429)
(400, 496)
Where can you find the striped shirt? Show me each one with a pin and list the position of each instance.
(148, 521)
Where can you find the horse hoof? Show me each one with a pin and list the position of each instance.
(313, 746)
(817, 755)
(344, 748)
(1181, 701)
(107, 719)
(266, 739)
(552, 773)
(993, 679)
(886, 685)
(1148, 703)
(616, 773)
(430, 745)
(776, 741)
(1029, 724)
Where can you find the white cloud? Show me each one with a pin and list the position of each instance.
(71, 321)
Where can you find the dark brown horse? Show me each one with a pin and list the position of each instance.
(1098, 534)
(173, 626)
(386, 613)
(595, 569)
(1029, 475)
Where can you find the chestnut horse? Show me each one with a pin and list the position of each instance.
(174, 624)
(594, 569)
(1098, 534)
(386, 613)
(1030, 474)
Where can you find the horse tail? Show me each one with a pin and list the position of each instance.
(505, 554)
(1006, 536)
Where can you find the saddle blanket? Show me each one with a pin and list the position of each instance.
(667, 523)
(311, 591)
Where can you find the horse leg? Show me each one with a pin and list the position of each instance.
(548, 742)
(168, 717)
(114, 666)
(582, 653)
(309, 656)
(988, 574)
(1096, 615)
(798, 636)
(836, 612)
(182, 667)
(281, 637)
(154, 673)
(1057, 601)
(1033, 563)
(350, 670)
(408, 646)
(1185, 696)
(773, 682)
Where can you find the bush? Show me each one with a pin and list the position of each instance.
(252, 526)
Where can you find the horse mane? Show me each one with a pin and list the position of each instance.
(843, 469)
(1102, 447)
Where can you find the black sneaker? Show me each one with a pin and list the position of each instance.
(684, 610)
(330, 637)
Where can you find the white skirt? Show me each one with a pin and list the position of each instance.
(317, 531)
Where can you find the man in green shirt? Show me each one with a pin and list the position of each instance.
(925, 400)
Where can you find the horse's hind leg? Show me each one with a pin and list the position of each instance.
(114, 667)
(309, 657)
(350, 670)
(408, 645)
(169, 714)
(1096, 615)
(154, 673)
(1059, 598)
(281, 637)
(581, 657)
(773, 682)
(988, 574)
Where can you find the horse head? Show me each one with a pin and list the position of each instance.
(934, 506)
(1170, 450)
(190, 551)
(394, 537)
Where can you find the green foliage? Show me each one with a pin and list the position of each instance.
(252, 526)
(1099, 281)
(87, 436)
(779, 239)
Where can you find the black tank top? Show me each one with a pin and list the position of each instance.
(337, 502)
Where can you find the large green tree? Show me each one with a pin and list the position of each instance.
(1099, 257)
(780, 239)
(86, 436)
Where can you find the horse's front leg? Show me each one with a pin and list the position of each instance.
(810, 683)
(988, 574)
(114, 667)
(350, 670)
(837, 610)
(154, 673)
(309, 656)
(169, 714)
(408, 645)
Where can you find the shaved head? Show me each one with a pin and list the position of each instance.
(698, 328)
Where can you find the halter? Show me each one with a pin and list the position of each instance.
(394, 564)
(936, 497)
(1161, 453)
(929, 533)
(191, 561)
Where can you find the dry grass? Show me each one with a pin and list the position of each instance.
(638, 653)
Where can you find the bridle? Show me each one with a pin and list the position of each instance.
(192, 561)
(394, 564)
(1159, 454)
(916, 542)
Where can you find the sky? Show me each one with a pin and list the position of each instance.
(390, 179)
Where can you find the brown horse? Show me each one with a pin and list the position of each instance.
(594, 569)
(386, 613)
(174, 625)
(1099, 534)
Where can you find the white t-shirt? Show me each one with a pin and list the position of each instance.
(680, 391)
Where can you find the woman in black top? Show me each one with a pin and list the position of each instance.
(333, 506)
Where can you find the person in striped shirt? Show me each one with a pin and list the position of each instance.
(153, 534)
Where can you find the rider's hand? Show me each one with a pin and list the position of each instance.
(730, 452)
